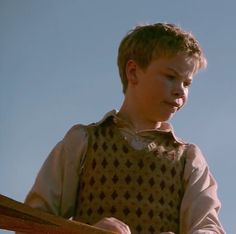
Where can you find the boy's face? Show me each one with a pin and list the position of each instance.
(162, 88)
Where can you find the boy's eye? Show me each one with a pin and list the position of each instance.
(170, 77)
(187, 84)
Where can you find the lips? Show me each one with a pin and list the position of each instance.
(173, 104)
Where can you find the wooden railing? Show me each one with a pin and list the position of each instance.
(19, 217)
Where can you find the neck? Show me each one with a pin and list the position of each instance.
(136, 118)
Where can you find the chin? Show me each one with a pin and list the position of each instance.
(166, 118)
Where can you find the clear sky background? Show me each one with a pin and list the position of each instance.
(58, 68)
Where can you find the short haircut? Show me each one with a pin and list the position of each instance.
(145, 43)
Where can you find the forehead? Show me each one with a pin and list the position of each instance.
(180, 64)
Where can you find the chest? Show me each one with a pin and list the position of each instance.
(135, 186)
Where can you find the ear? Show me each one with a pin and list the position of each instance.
(131, 72)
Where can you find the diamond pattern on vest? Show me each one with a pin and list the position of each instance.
(144, 189)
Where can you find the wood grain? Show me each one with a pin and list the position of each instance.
(19, 217)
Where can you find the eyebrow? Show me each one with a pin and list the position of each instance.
(174, 71)
(178, 74)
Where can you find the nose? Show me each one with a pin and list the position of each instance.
(179, 90)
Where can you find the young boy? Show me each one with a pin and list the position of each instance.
(129, 173)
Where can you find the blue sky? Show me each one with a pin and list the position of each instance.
(58, 68)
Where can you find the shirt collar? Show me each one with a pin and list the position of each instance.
(165, 126)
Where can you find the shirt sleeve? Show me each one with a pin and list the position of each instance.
(55, 188)
(200, 205)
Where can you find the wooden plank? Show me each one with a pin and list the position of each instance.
(17, 216)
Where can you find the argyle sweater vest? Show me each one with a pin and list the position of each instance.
(141, 188)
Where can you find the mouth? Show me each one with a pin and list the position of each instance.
(173, 104)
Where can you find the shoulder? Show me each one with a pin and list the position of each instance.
(192, 152)
(76, 134)
(196, 164)
(79, 133)
(195, 156)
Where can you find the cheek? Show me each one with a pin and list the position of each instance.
(163, 86)
(185, 97)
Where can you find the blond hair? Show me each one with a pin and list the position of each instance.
(147, 42)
